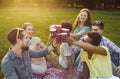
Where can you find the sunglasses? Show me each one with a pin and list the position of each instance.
(98, 23)
(18, 31)
(95, 29)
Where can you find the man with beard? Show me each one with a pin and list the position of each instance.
(16, 63)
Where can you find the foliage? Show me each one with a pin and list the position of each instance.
(92, 4)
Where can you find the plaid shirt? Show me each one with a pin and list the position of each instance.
(104, 42)
(111, 46)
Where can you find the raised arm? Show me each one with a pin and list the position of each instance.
(42, 52)
(90, 48)
(83, 31)
(86, 46)
(49, 41)
(79, 34)
(41, 44)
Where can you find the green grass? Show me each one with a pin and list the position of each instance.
(43, 18)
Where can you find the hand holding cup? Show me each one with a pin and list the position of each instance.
(67, 39)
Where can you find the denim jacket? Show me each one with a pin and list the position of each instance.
(14, 67)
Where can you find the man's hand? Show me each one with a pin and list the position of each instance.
(67, 39)
(117, 71)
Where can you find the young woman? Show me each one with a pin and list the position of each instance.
(82, 23)
(36, 44)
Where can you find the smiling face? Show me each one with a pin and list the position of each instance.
(83, 16)
(96, 29)
(29, 30)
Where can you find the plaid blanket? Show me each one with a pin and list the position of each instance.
(55, 73)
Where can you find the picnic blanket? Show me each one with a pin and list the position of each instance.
(55, 73)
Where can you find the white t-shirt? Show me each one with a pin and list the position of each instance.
(65, 50)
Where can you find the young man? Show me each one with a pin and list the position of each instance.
(16, 63)
(94, 57)
(98, 27)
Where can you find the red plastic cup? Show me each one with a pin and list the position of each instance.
(58, 29)
(64, 30)
(58, 38)
(63, 34)
(53, 32)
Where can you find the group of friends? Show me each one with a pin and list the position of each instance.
(84, 54)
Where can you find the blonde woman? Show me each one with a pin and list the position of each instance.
(39, 65)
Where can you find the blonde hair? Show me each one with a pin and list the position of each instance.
(88, 21)
(24, 26)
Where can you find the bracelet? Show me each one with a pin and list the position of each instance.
(53, 46)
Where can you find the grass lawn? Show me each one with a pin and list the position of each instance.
(43, 18)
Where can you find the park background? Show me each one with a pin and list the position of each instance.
(43, 13)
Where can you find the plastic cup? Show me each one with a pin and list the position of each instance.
(58, 29)
(63, 34)
(52, 26)
(64, 30)
(53, 32)
(58, 38)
